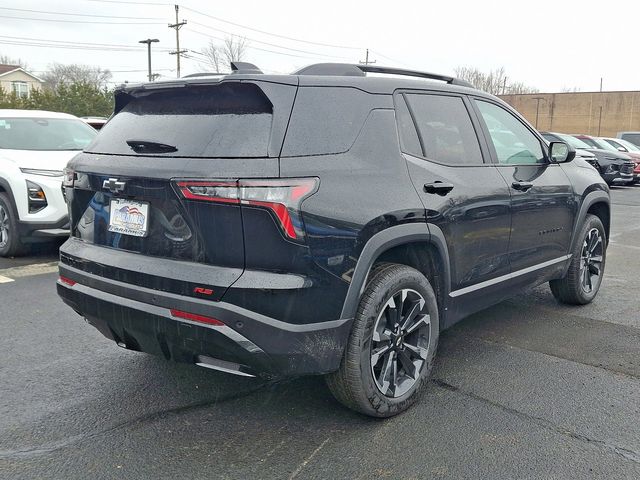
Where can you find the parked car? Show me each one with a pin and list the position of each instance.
(614, 167)
(324, 222)
(630, 149)
(633, 137)
(95, 122)
(35, 146)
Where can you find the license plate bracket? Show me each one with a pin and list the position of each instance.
(129, 217)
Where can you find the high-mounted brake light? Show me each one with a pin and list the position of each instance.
(282, 197)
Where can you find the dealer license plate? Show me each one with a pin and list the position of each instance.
(129, 217)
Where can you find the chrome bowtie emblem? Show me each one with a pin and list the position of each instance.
(113, 185)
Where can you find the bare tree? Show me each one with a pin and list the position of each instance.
(234, 49)
(73, 73)
(494, 82)
(213, 56)
(570, 89)
(218, 57)
(7, 60)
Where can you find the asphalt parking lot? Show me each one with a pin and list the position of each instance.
(526, 389)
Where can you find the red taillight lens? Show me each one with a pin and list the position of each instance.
(282, 197)
(67, 281)
(194, 317)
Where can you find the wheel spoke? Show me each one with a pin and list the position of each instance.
(595, 243)
(417, 350)
(386, 374)
(378, 353)
(413, 312)
(408, 365)
(424, 319)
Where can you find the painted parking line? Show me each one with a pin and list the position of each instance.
(8, 275)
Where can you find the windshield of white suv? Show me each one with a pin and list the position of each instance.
(604, 145)
(628, 145)
(44, 134)
(573, 141)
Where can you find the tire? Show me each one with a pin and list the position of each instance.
(366, 389)
(10, 244)
(587, 259)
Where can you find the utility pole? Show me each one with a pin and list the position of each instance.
(149, 41)
(177, 51)
(366, 59)
(601, 84)
(537, 99)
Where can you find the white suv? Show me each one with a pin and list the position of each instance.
(35, 147)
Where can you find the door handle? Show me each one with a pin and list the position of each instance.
(438, 188)
(522, 186)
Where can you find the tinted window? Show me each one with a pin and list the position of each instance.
(409, 140)
(514, 143)
(445, 129)
(326, 120)
(44, 134)
(228, 120)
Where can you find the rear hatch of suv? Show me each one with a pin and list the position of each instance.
(166, 176)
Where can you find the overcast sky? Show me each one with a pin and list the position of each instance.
(547, 44)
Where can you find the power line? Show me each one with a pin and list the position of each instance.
(255, 48)
(268, 33)
(269, 44)
(66, 47)
(131, 3)
(79, 21)
(31, 39)
(78, 14)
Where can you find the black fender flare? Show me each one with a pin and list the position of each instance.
(383, 241)
(589, 199)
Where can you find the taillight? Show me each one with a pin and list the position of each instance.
(282, 197)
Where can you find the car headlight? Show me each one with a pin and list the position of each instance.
(44, 173)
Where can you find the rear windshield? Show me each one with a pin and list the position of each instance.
(44, 134)
(228, 120)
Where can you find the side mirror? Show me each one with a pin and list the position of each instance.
(560, 152)
(622, 149)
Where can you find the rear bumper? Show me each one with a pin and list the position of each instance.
(140, 318)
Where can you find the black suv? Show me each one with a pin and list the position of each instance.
(325, 222)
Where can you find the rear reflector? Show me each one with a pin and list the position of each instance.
(67, 281)
(194, 317)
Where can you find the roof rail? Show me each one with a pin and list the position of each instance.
(203, 74)
(244, 67)
(348, 69)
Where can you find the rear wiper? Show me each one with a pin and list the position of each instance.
(143, 146)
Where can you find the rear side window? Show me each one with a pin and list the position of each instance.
(225, 121)
(326, 120)
(445, 129)
(409, 141)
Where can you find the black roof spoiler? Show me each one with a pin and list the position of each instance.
(354, 70)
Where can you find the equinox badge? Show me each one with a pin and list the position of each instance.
(113, 185)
